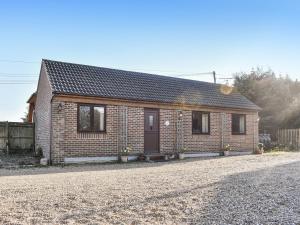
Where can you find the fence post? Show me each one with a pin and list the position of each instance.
(7, 138)
(289, 137)
(33, 131)
(298, 139)
(280, 136)
(295, 139)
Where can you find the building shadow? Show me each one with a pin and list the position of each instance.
(266, 196)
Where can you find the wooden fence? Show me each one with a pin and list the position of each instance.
(289, 138)
(16, 137)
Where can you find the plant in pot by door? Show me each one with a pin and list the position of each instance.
(259, 149)
(124, 154)
(226, 150)
(181, 153)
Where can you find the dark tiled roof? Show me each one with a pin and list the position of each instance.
(32, 98)
(69, 78)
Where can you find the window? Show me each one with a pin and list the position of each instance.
(151, 120)
(238, 124)
(84, 118)
(201, 122)
(91, 118)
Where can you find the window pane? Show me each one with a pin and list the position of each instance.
(196, 122)
(235, 123)
(84, 118)
(99, 118)
(238, 124)
(204, 123)
(242, 124)
(151, 121)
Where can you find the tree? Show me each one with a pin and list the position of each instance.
(279, 98)
(25, 117)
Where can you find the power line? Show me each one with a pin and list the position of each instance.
(178, 74)
(195, 74)
(22, 74)
(16, 80)
(225, 78)
(224, 75)
(143, 70)
(17, 61)
(11, 83)
(17, 77)
(163, 71)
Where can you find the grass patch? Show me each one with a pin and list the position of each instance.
(275, 153)
(280, 150)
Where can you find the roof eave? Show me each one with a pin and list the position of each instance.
(57, 93)
(32, 98)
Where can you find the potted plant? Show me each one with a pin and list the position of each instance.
(259, 149)
(181, 153)
(125, 153)
(39, 157)
(225, 151)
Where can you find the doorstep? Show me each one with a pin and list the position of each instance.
(159, 157)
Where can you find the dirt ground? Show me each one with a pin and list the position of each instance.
(253, 189)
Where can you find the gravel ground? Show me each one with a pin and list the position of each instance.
(253, 189)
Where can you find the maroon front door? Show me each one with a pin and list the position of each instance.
(151, 128)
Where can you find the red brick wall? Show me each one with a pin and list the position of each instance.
(67, 142)
(167, 132)
(136, 129)
(212, 142)
(202, 142)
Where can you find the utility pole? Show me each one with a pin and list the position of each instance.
(214, 74)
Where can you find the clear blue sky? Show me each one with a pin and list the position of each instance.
(153, 36)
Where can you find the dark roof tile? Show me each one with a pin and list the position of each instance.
(69, 78)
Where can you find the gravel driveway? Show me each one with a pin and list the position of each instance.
(250, 189)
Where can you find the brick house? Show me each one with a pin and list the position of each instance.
(90, 113)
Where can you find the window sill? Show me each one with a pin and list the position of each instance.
(238, 133)
(91, 132)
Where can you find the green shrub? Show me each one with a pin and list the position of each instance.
(39, 152)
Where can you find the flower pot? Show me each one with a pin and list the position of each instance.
(124, 158)
(181, 156)
(226, 153)
(259, 151)
(44, 161)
